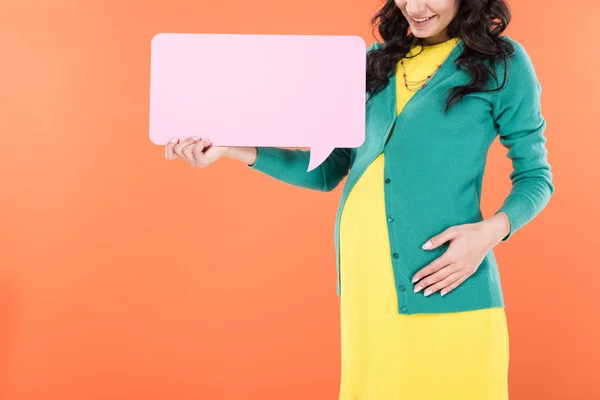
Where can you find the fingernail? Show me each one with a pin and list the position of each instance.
(427, 245)
(196, 138)
(174, 140)
(428, 292)
(418, 288)
(443, 292)
(415, 279)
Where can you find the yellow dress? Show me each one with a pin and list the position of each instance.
(391, 356)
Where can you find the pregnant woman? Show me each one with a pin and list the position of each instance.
(422, 310)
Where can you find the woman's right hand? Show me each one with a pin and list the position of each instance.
(198, 152)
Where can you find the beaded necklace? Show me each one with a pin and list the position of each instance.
(423, 82)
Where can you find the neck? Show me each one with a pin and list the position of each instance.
(437, 39)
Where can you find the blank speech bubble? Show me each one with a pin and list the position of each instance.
(259, 90)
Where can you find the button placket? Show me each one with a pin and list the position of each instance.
(401, 288)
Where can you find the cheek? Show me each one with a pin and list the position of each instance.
(447, 9)
(452, 9)
(401, 4)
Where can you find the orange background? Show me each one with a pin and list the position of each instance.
(123, 276)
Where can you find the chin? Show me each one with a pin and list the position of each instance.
(425, 34)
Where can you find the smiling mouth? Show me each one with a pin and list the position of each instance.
(422, 19)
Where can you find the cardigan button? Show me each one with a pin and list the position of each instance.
(388, 180)
(396, 255)
(402, 288)
(391, 219)
(404, 309)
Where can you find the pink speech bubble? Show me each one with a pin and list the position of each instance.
(259, 90)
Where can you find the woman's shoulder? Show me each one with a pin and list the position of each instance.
(519, 55)
(519, 49)
(519, 64)
(521, 73)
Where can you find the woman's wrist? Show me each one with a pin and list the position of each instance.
(246, 155)
(499, 224)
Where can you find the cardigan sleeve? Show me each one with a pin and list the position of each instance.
(290, 165)
(517, 113)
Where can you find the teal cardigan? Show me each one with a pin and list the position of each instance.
(434, 166)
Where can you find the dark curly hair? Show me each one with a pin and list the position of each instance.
(479, 23)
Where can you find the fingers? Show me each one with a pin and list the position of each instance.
(434, 279)
(441, 238)
(187, 155)
(199, 155)
(190, 149)
(441, 284)
(169, 153)
(193, 152)
(454, 284)
(199, 152)
(178, 148)
(434, 266)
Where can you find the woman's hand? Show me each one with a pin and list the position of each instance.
(469, 244)
(196, 151)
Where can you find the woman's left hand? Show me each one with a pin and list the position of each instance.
(469, 244)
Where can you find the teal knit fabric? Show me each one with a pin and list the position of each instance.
(434, 166)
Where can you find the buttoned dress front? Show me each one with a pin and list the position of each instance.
(387, 355)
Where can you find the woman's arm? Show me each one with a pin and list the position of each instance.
(291, 165)
(517, 112)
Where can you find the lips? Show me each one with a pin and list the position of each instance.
(419, 20)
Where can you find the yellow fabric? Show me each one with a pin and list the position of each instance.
(391, 356)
